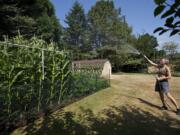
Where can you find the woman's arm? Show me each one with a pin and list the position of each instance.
(151, 62)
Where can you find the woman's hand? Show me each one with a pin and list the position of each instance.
(152, 63)
(158, 78)
(161, 78)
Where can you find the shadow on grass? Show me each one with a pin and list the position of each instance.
(170, 109)
(126, 120)
(149, 103)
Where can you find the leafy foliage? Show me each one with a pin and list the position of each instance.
(176, 62)
(147, 44)
(24, 85)
(85, 83)
(170, 49)
(107, 26)
(30, 17)
(171, 13)
(121, 61)
(36, 77)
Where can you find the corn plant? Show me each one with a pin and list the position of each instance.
(64, 70)
(53, 76)
(35, 76)
(11, 80)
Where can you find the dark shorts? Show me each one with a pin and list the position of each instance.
(162, 86)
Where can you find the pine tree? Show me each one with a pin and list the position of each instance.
(75, 34)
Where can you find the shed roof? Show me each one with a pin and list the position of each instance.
(89, 64)
(95, 61)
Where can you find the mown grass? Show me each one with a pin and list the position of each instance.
(129, 107)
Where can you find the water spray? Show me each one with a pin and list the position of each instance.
(128, 48)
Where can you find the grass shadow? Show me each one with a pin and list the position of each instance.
(126, 120)
(149, 103)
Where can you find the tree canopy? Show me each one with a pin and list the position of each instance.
(146, 44)
(30, 17)
(107, 25)
(171, 49)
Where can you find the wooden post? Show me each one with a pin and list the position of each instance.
(42, 64)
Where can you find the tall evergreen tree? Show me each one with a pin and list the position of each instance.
(76, 30)
(30, 17)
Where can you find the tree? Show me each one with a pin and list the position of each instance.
(76, 30)
(121, 61)
(30, 17)
(176, 62)
(170, 11)
(170, 49)
(147, 44)
(110, 34)
(107, 26)
(48, 28)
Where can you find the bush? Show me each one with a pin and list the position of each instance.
(86, 82)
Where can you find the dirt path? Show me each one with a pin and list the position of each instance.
(129, 107)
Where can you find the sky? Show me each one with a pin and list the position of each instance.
(139, 15)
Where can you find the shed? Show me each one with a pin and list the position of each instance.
(103, 64)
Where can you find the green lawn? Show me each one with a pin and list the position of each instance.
(129, 107)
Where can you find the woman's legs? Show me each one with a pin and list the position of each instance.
(172, 100)
(161, 94)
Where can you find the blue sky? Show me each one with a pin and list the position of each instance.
(139, 15)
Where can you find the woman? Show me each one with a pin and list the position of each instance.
(162, 84)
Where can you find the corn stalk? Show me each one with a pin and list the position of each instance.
(63, 79)
(11, 80)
